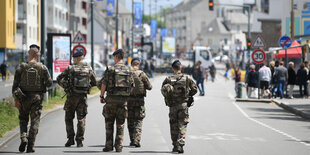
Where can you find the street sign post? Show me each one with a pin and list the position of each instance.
(285, 42)
(258, 56)
(79, 48)
(79, 39)
(259, 42)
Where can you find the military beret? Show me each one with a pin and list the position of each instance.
(176, 63)
(78, 54)
(35, 46)
(118, 51)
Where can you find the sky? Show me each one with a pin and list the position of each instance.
(160, 3)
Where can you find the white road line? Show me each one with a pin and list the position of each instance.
(269, 127)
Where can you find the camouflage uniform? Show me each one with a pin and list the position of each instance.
(115, 108)
(136, 109)
(31, 103)
(178, 110)
(76, 102)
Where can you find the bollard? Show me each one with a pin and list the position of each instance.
(240, 86)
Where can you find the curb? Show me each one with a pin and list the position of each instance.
(280, 104)
(15, 132)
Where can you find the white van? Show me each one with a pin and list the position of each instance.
(203, 54)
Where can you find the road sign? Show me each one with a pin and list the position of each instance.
(79, 39)
(258, 56)
(285, 42)
(79, 48)
(259, 42)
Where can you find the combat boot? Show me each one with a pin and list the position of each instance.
(118, 149)
(30, 148)
(23, 143)
(79, 143)
(180, 149)
(107, 149)
(69, 142)
(175, 149)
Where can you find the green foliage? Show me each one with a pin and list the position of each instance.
(94, 90)
(8, 117)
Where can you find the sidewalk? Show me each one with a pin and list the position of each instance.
(299, 107)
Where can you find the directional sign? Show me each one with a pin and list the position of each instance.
(79, 39)
(259, 42)
(79, 48)
(258, 56)
(285, 42)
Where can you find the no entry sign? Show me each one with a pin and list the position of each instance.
(285, 42)
(258, 56)
(79, 48)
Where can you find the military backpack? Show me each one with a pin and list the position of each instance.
(80, 79)
(180, 86)
(31, 77)
(139, 89)
(119, 81)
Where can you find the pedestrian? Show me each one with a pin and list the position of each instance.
(252, 82)
(291, 79)
(117, 82)
(282, 75)
(136, 108)
(76, 79)
(301, 80)
(199, 75)
(212, 72)
(178, 90)
(273, 80)
(265, 77)
(30, 82)
(237, 79)
(152, 67)
(3, 69)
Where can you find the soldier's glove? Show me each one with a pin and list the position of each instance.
(190, 101)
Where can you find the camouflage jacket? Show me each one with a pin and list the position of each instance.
(64, 78)
(45, 77)
(191, 85)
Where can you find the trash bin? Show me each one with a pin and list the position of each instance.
(239, 92)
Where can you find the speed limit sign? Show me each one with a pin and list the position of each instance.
(79, 48)
(258, 56)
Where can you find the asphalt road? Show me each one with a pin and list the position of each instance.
(218, 126)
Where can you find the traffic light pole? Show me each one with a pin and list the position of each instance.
(92, 33)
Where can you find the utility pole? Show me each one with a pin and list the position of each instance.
(150, 10)
(92, 33)
(43, 31)
(292, 21)
(116, 24)
(132, 26)
(156, 9)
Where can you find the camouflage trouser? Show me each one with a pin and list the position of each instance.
(115, 111)
(32, 106)
(136, 113)
(76, 104)
(179, 119)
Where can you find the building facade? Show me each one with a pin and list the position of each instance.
(78, 17)
(57, 16)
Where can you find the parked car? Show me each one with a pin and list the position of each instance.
(99, 67)
(218, 58)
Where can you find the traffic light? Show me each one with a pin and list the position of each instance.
(211, 4)
(248, 43)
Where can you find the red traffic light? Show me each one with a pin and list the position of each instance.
(211, 4)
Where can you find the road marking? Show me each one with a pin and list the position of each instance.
(225, 137)
(269, 127)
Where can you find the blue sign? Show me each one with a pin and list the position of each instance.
(153, 28)
(285, 42)
(138, 13)
(174, 32)
(110, 7)
(164, 32)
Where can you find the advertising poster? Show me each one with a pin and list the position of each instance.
(169, 45)
(61, 54)
(138, 13)
(153, 28)
(110, 7)
(164, 32)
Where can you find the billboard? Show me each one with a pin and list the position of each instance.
(110, 7)
(138, 13)
(169, 45)
(164, 32)
(153, 28)
(59, 53)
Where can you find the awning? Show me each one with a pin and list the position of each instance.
(292, 52)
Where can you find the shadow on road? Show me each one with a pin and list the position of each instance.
(49, 147)
(9, 152)
(150, 152)
(82, 151)
(96, 146)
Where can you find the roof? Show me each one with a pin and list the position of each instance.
(237, 18)
(215, 27)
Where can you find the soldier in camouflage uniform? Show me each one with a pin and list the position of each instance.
(118, 82)
(178, 91)
(136, 109)
(76, 79)
(30, 82)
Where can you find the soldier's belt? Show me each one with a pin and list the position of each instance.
(177, 103)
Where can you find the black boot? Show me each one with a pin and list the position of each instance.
(69, 142)
(30, 148)
(79, 143)
(107, 149)
(23, 144)
(180, 149)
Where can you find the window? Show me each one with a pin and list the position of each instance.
(84, 22)
(84, 5)
(205, 54)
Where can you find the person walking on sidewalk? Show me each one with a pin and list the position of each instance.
(199, 76)
(3, 69)
(301, 80)
(282, 75)
(265, 77)
(291, 79)
(252, 82)
(237, 79)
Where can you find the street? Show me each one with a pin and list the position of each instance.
(218, 126)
